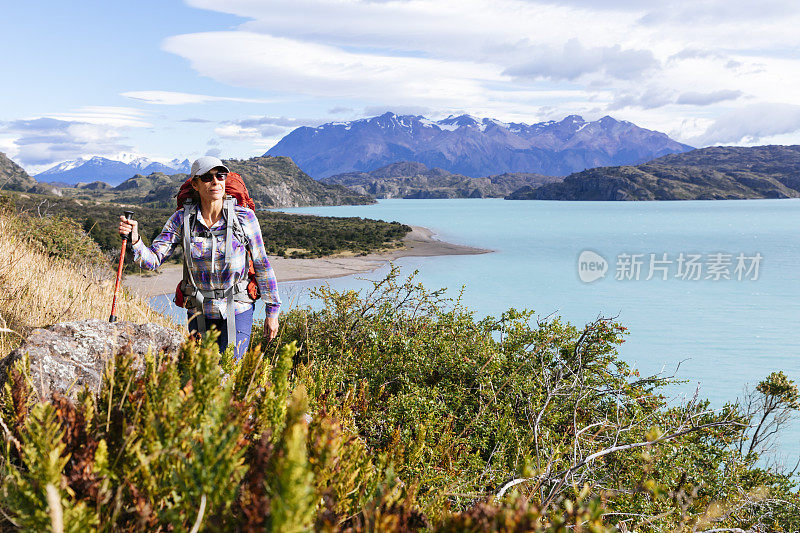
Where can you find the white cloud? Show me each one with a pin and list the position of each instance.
(105, 115)
(259, 122)
(234, 131)
(474, 30)
(8, 147)
(42, 141)
(259, 138)
(693, 53)
(710, 12)
(487, 30)
(692, 69)
(336, 110)
(689, 129)
(695, 98)
(511, 59)
(751, 124)
(261, 129)
(279, 64)
(652, 97)
(399, 110)
(573, 61)
(655, 96)
(177, 98)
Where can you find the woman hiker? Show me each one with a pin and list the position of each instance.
(216, 234)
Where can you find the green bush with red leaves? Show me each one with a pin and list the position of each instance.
(392, 410)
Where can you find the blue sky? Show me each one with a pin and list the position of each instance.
(174, 79)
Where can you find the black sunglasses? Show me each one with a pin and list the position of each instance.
(205, 178)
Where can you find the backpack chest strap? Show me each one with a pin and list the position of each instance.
(239, 290)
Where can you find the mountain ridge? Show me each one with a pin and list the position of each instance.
(111, 171)
(470, 146)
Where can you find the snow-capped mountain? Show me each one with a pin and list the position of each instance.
(183, 167)
(472, 146)
(111, 171)
(65, 166)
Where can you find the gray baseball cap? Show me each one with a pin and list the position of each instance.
(204, 164)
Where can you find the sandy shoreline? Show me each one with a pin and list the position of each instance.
(420, 242)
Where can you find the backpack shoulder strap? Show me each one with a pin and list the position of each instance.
(229, 208)
(238, 228)
(189, 215)
(189, 287)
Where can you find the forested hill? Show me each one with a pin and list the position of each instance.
(415, 180)
(13, 177)
(285, 234)
(714, 173)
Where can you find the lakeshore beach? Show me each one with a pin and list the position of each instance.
(420, 242)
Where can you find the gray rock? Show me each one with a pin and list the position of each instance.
(66, 356)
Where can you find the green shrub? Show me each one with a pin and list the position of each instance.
(166, 446)
(394, 410)
(60, 236)
(462, 406)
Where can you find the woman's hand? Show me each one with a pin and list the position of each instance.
(129, 227)
(270, 328)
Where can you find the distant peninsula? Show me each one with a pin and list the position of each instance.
(411, 180)
(714, 173)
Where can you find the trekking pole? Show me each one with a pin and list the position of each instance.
(113, 317)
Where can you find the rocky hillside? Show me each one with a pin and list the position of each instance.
(271, 181)
(472, 147)
(155, 190)
(279, 182)
(715, 173)
(13, 177)
(415, 180)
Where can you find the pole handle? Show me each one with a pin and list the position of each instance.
(113, 317)
(128, 215)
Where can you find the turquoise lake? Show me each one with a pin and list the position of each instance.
(724, 333)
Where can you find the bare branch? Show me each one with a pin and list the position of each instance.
(200, 513)
(563, 475)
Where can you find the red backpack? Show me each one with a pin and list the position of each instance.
(234, 186)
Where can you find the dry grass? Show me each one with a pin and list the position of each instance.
(37, 290)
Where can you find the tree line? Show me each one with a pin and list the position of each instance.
(285, 235)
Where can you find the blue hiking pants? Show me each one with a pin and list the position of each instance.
(244, 325)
